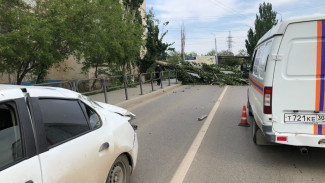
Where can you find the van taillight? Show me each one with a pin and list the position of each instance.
(267, 100)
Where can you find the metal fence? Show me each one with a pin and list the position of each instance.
(99, 85)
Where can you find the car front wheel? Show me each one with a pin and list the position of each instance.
(120, 171)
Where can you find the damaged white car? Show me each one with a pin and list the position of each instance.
(57, 135)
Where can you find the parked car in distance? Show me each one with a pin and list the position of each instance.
(286, 94)
(51, 135)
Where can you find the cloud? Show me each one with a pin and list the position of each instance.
(191, 10)
(279, 2)
(202, 18)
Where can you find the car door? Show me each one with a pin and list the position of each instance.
(75, 150)
(19, 162)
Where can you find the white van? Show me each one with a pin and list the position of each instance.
(287, 83)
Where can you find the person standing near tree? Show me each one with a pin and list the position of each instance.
(158, 70)
(243, 68)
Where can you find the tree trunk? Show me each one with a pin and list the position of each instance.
(96, 76)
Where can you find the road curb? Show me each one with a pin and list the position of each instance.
(145, 97)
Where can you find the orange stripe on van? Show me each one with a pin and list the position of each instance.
(315, 129)
(323, 129)
(258, 86)
(319, 64)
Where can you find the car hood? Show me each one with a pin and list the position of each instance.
(117, 110)
(110, 108)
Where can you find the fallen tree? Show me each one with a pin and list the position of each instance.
(209, 74)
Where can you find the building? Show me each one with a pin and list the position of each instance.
(209, 60)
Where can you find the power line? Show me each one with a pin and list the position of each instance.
(219, 4)
(198, 18)
(201, 29)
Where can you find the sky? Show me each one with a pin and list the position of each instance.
(207, 20)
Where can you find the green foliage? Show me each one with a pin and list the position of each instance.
(209, 74)
(231, 62)
(174, 57)
(191, 54)
(112, 38)
(30, 41)
(211, 53)
(225, 53)
(101, 33)
(156, 49)
(242, 52)
(263, 23)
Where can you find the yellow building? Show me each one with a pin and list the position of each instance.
(202, 60)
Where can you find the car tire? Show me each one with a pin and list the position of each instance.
(120, 171)
(254, 130)
(250, 113)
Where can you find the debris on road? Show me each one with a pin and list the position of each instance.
(202, 118)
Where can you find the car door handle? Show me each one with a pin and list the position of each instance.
(30, 181)
(104, 146)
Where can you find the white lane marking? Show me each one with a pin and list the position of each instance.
(183, 168)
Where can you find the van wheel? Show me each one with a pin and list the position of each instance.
(254, 130)
(249, 109)
(120, 171)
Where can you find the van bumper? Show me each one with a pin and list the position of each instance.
(294, 139)
(302, 139)
(268, 133)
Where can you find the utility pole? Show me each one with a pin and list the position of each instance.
(215, 45)
(229, 41)
(183, 42)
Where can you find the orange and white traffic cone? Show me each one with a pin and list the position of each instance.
(243, 121)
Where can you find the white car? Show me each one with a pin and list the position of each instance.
(57, 135)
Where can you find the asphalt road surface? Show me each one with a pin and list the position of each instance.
(169, 130)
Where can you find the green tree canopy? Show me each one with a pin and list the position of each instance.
(242, 52)
(33, 38)
(156, 48)
(263, 23)
(111, 37)
(225, 53)
(211, 53)
(174, 57)
(191, 54)
(29, 40)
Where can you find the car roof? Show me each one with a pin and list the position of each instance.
(281, 27)
(41, 91)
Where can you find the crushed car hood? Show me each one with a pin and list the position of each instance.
(116, 109)
(110, 108)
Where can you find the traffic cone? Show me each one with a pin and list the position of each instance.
(243, 121)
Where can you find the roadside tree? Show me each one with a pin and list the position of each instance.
(211, 53)
(29, 42)
(263, 23)
(156, 49)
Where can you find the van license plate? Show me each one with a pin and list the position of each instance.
(309, 118)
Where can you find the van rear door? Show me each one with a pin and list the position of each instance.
(299, 85)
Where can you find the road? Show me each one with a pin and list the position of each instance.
(168, 125)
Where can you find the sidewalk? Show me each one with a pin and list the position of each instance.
(117, 97)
